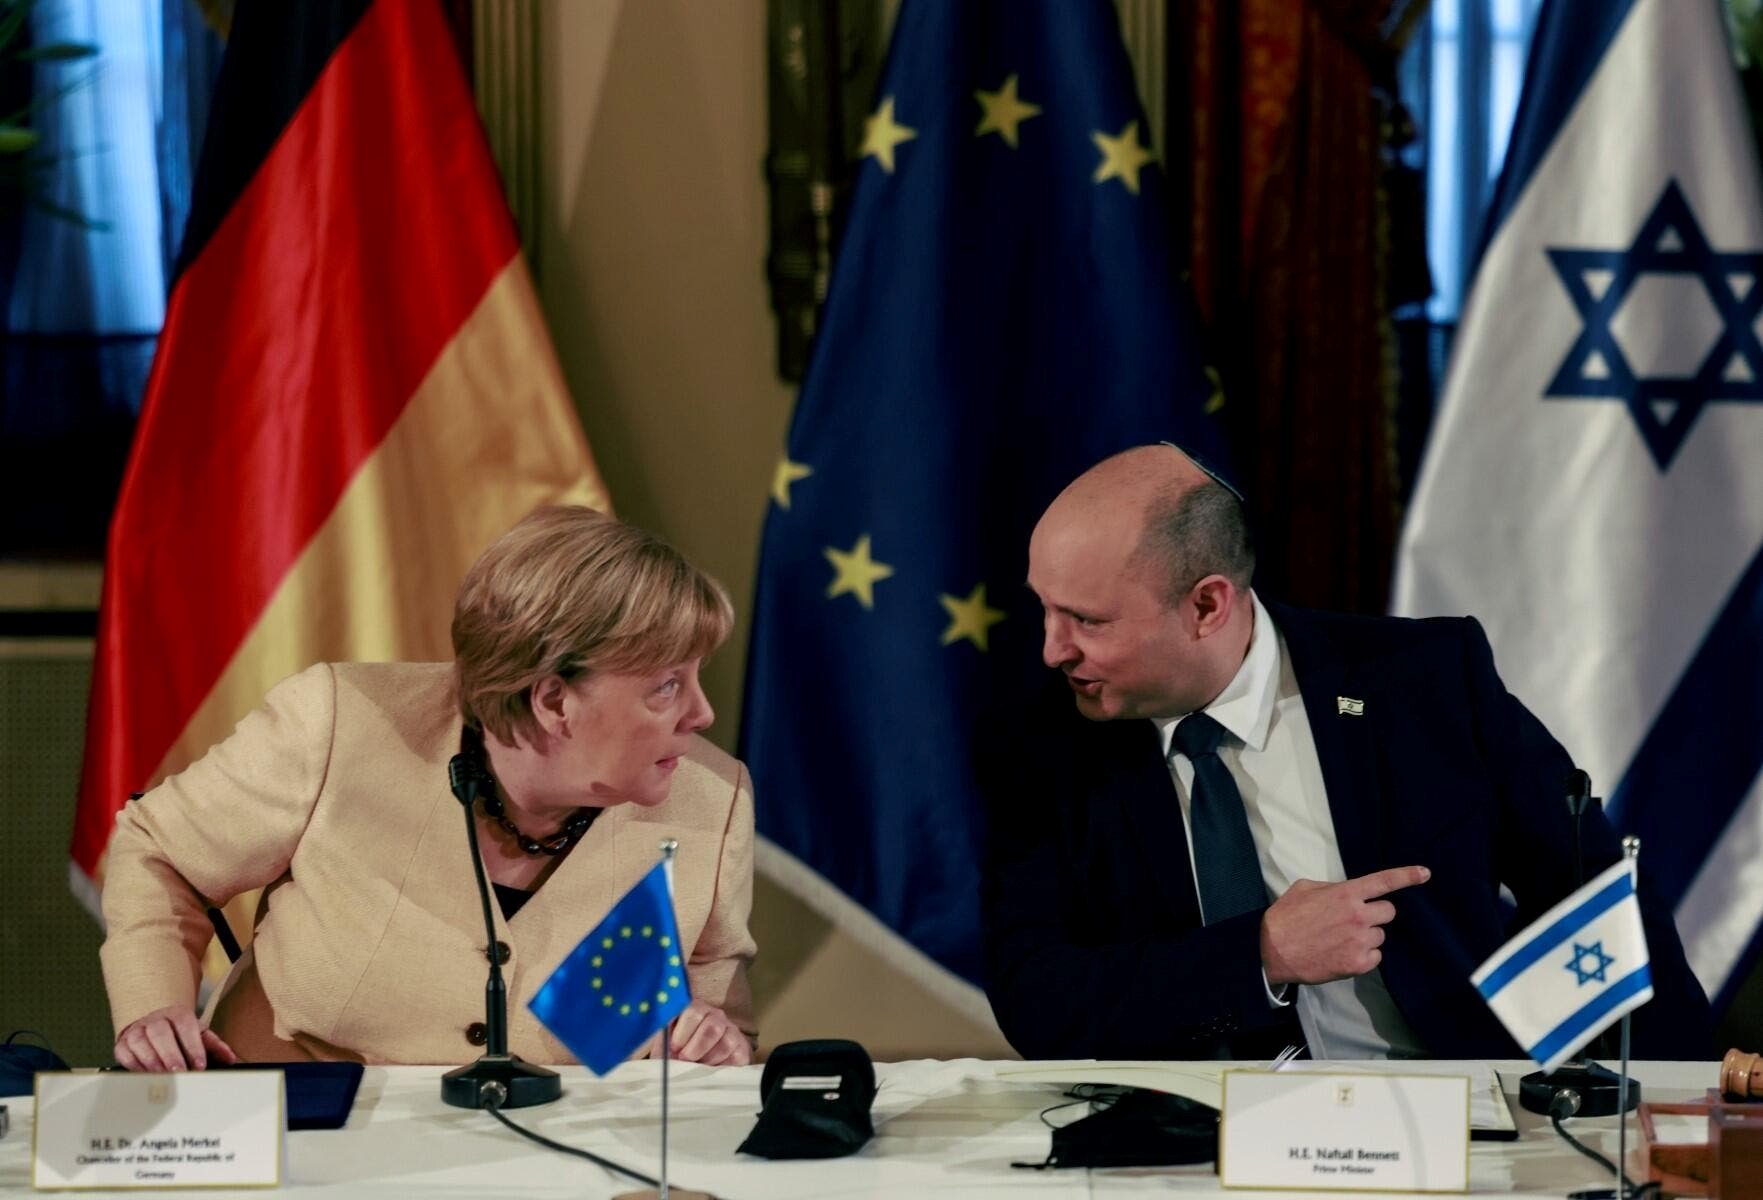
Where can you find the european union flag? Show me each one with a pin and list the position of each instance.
(624, 981)
(1003, 313)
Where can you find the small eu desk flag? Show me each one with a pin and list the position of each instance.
(1574, 971)
(623, 982)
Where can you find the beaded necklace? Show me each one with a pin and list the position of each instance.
(471, 745)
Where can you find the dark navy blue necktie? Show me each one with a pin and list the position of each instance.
(1225, 861)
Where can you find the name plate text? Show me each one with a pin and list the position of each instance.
(187, 1130)
(1344, 1132)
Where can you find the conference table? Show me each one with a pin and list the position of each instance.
(943, 1129)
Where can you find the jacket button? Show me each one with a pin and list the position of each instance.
(503, 953)
(476, 1033)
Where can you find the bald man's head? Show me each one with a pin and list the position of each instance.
(1183, 524)
(1139, 564)
(1133, 478)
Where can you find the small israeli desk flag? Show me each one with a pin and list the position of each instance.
(1574, 971)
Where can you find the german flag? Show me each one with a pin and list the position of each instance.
(353, 394)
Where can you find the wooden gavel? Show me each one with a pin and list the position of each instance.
(1741, 1076)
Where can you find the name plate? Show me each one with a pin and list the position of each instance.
(1344, 1132)
(192, 1129)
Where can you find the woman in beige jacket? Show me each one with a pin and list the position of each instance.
(577, 643)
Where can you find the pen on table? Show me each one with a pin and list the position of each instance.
(1289, 1054)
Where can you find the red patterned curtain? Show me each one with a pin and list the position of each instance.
(1278, 119)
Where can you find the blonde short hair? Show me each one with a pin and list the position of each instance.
(570, 591)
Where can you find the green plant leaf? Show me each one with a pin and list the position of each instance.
(12, 19)
(38, 200)
(24, 167)
(57, 52)
(44, 101)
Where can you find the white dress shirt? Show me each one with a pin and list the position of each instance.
(1271, 754)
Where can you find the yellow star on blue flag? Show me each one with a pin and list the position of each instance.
(1123, 156)
(783, 476)
(855, 572)
(969, 618)
(1002, 111)
(881, 133)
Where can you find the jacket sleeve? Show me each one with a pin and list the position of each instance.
(1063, 978)
(1536, 854)
(227, 824)
(1060, 989)
(718, 963)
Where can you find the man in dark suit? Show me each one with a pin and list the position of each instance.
(1259, 824)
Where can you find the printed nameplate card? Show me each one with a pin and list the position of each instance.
(1344, 1131)
(192, 1129)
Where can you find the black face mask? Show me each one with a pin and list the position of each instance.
(20, 1061)
(1140, 1128)
(815, 1099)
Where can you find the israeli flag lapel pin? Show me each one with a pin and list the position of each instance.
(1346, 706)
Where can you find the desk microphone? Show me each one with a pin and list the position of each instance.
(498, 1079)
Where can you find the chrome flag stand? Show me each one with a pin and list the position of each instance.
(1623, 1190)
(668, 848)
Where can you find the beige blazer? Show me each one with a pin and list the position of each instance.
(369, 942)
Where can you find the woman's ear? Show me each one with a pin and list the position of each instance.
(549, 700)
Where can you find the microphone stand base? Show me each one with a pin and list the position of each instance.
(1599, 1089)
(673, 1193)
(500, 1081)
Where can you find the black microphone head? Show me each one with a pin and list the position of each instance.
(1579, 785)
(464, 775)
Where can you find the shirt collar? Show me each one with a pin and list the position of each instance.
(1245, 706)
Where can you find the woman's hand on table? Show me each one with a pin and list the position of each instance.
(170, 1039)
(704, 1034)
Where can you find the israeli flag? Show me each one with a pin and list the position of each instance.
(1592, 489)
(1573, 972)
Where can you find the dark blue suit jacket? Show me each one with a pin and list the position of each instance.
(1094, 946)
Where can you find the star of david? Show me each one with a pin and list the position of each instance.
(1600, 962)
(1670, 242)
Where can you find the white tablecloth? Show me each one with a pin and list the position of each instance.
(943, 1129)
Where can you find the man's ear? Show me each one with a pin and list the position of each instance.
(1213, 599)
(548, 698)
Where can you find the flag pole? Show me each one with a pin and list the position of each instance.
(666, 1053)
(661, 1190)
(668, 847)
(1631, 849)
